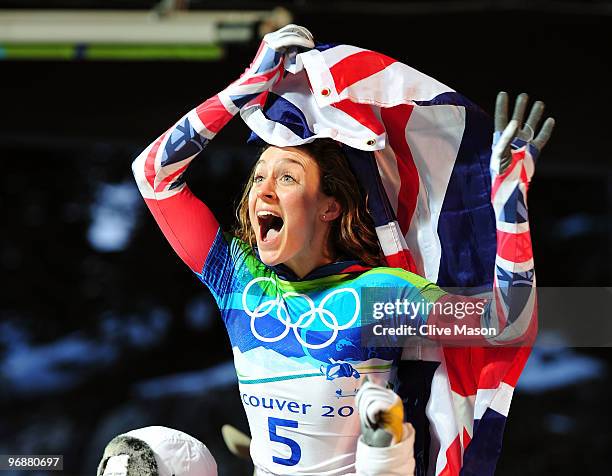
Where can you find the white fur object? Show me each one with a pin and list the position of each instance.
(177, 453)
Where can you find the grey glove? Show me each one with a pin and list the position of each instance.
(506, 136)
(381, 412)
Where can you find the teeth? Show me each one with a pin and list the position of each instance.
(264, 213)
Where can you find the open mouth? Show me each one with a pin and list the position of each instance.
(270, 225)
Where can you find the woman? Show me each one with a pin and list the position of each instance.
(288, 284)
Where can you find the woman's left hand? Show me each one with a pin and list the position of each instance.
(267, 67)
(513, 137)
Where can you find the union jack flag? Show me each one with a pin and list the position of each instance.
(422, 151)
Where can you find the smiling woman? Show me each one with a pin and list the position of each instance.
(287, 283)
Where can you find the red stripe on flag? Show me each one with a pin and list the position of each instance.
(491, 365)
(461, 373)
(150, 162)
(495, 365)
(403, 260)
(395, 120)
(519, 359)
(514, 247)
(260, 100)
(453, 459)
(496, 184)
(362, 113)
(213, 114)
(500, 305)
(358, 66)
(355, 268)
(517, 156)
(260, 78)
(160, 187)
(466, 438)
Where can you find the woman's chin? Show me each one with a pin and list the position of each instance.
(268, 253)
(269, 257)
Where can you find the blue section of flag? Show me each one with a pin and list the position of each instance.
(515, 296)
(325, 46)
(467, 222)
(515, 210)
(270, 59)
(363, 165)
(241, 100)
(184, 142)
(481, 455)
(284, 112)
(518, 143)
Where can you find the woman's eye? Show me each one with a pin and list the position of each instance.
(287, 178)
(258, 178)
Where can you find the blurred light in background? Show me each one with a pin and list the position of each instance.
(167, 32)
(113, 216)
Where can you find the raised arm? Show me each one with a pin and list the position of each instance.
(515, 149)
(186, 222)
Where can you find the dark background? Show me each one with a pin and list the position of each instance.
(103, 329)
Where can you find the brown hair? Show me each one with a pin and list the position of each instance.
(352, 233)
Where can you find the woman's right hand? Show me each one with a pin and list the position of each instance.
(267, 67)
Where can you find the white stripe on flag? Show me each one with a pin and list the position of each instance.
(171, 169)
(160, 173)
(514, 228)
(228, 103)
(327, 122)
(528, 163)
(497, 399)
(506, 189)
(338, 53)
(440, 413)
(434, 135)
(199, 126)
(389, 175)
(409, 85)
(512, 266)
(138, 168)
(320, 77)
(464, 414)
(391, 239)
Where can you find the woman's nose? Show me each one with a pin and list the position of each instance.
(266, 190)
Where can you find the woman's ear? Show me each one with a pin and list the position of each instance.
(332, 210)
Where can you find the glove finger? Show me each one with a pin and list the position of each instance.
(290, 35)
(527, 131)
(501, 111)
(300, 30)
(535, 115)
(540, 141)
(520, 107)
(288, 40)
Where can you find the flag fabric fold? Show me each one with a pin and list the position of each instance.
(421, 151)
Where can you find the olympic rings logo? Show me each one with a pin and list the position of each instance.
(304, 320)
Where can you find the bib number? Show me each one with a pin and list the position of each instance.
(296, 451)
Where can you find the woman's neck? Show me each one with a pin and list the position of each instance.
(303, 264)
(302, 268)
